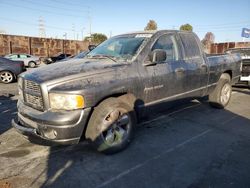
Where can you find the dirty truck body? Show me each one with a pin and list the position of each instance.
(151, 68)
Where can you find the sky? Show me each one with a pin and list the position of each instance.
(75, 19)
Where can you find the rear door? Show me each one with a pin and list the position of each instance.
(24, 58)
(196, 66)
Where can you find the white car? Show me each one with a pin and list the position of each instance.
(29, 60)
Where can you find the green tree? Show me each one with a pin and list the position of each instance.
(186, 27)
(152, 25)
(96, 38)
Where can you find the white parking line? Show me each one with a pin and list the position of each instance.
(124, 173)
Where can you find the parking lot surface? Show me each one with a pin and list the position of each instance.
(191, 145)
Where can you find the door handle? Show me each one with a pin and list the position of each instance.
(179, 70)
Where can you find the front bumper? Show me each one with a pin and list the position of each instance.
(51, 127)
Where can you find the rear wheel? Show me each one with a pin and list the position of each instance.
(111, 126)
(32, 64)
(6, 77)
(220, 97)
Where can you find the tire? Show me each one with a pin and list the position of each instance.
(221, 95)
(6, 77)
(111, 126)
(32, 64)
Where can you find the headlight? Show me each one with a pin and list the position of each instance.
(20, 87)
(66, 101)
(20, 82)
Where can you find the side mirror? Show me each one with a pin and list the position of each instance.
(156, 56)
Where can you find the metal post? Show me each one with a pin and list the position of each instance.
(30, 49)
(63, 46)
(10, 47)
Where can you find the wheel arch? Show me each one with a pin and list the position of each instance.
(128, 98)
(230, 72)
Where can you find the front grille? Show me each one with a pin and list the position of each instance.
(33, 95)
(30, 85)
(245, 70)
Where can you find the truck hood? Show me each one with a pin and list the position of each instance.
(76, 67)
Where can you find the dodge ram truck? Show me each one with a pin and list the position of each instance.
(101, 97)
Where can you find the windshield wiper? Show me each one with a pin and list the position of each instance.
(103, 56)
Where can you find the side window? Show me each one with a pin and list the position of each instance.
(190, 45)
(14, 56)
(169, 44)
(23, 56)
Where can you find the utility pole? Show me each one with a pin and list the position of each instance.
(65, 36)
(73, 30)
(90, 23)
(82, 33)
(41, 27)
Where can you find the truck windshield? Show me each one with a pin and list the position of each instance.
(118, 48)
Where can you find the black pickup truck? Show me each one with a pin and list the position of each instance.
(102, 96)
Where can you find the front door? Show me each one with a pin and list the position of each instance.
(167, 76)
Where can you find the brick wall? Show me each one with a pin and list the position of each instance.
(43, 47)
(219, 48)
(46, 47)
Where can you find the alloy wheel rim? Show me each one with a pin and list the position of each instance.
(6, 77)
(118, 130)
(225, 93)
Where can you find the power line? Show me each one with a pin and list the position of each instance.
(70, 3)
(224, 24)
(33, 24)
(41, 28)
(56, 7)
(35, 9)
(223, 27)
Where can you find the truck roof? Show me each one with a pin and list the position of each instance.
(154, 32)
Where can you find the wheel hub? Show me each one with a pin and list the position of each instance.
(6, 77)
(118, 130)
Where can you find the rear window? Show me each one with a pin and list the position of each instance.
(190, 45)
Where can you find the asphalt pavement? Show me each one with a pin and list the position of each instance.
(191, 145)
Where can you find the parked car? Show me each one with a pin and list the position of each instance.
(78, 56)
(9, 70)
(29, 60)
(101, 96)
(245, 68)
(59, 57)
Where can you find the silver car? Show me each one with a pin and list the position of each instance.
(29, 60)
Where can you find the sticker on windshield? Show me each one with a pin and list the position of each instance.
(143, 35)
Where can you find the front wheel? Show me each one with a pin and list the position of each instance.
(111, 126)
(220, 97)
